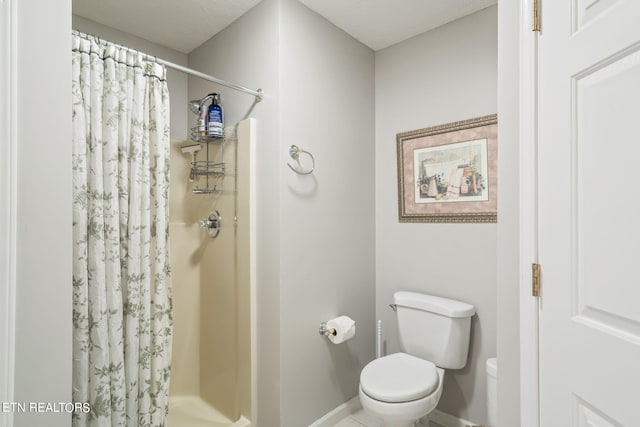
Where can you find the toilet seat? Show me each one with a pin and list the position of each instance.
(399, 377)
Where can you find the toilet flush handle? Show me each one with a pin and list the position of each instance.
(394, 307)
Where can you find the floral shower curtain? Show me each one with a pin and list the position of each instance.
(121, 282)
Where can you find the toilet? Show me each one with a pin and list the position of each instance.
(402, 388)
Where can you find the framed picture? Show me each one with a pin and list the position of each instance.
(448, 173)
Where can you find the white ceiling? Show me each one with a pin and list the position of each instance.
(381, 23)
(184, 25)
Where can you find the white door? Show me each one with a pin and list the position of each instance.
(589, 217)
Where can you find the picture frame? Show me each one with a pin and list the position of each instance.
(448, 173)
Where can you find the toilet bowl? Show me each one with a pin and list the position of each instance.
(433, 333)
(400, 389)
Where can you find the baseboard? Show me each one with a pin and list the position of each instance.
(341, 412)
(447, 420)
(353, 405)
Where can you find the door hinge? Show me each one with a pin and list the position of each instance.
(536, 16)
(535, 279)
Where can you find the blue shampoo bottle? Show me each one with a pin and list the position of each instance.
(215, 128)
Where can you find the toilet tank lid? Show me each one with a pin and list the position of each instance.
(444, 306)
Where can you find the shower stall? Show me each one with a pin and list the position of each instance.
(206, 332)
(211, 229)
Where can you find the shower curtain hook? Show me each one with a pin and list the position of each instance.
(294, 153)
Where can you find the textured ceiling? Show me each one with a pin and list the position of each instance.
(184, 25)
(381, 23)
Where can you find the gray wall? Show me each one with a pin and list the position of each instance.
(508, 226)
(444, 75)
(43, 253)
(327, 218)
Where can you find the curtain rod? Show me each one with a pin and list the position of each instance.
(257, 93)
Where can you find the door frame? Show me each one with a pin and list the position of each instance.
(8, 201)
(528, 218)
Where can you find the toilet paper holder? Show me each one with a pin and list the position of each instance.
(324, 331)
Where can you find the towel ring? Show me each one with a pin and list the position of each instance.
(294, 153)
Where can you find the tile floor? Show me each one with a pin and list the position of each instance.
(362, 419)
(192, 411)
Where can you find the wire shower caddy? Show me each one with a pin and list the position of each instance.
(213, 171)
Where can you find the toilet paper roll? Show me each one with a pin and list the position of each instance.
(345, 328)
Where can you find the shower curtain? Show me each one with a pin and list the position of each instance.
(121, 281)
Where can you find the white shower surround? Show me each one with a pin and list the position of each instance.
(214, 372)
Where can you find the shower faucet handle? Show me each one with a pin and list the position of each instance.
(212, 224)
(206, 223)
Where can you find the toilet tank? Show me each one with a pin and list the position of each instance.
(434, 328)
